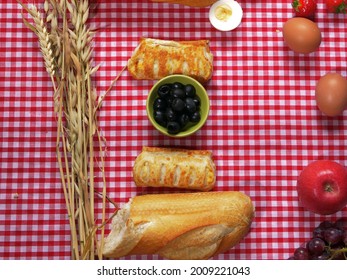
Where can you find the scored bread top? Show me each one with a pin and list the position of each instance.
(180, 225)
(154, 59)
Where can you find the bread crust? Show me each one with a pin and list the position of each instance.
(175, 168)
(183, 225)
(154, 59)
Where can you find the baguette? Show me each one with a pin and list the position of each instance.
(175, 168)
(154, 59)
(191, 3)
(180, 225)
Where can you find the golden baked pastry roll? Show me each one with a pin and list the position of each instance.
(175, 168)
(181, 225)
(154, 59)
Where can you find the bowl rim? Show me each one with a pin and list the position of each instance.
(193, 129)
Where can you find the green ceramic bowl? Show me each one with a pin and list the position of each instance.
(190, 128)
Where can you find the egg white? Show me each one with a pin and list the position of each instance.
(232, 22)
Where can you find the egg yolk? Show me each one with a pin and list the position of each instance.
(223, 12)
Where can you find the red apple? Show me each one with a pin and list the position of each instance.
(322, 187)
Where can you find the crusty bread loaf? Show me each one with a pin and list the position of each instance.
(192, 3)
(175, 168)
(154, 59)
(180, 226)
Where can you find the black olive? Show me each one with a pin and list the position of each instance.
(169, 100)
(173, 127)
(189, 90)
(197, 101)
(170, 115)
(178, 105)
(177, 85)
(183, 120)
(178, 93)
(164, 90)
(159, 117)
(159, 104)
(195, 117)
(190, 105)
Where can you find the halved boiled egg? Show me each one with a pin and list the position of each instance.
(225, 15)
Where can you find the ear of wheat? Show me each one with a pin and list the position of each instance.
(65, 43)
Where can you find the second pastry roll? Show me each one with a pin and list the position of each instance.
(175, 168)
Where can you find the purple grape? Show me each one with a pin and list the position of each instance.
(301, 254)
(333, 236)
(324, 256)
(318, 232)
(329, 242)
(325, 224)
(316, 246)
(341, 224)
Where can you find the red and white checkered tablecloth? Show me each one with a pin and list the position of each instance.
(263, 127)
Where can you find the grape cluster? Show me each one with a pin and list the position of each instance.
(176, 106)
(328, 242)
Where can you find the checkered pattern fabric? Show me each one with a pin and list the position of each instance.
(263, 127)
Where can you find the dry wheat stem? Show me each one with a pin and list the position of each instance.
(65, 44)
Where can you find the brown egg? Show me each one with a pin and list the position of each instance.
(331, 94)
(302, 35)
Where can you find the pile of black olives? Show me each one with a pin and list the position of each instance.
(176, 106)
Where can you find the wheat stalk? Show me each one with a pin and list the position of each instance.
(44, 39)
(65, 43)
